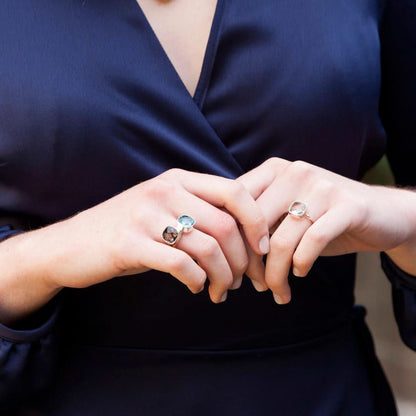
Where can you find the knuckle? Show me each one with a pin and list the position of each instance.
(300, 165)
(172, 173)
(236, 190)
(226, 224)
(242, 266)
(300, 169)
(259, 220)
(274, 283)
(208, 247)
(222, 284)
(300, 262)
(158, 188)
(178, 263)
(226, 281)
(325, 188)
(198, 282)
(317, 236)
(273, 162)
(280, 243)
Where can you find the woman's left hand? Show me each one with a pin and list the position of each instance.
(346, 216)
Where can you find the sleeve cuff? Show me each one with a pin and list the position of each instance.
(398, 277)
(50, 313)
(404, 299)
(7, 231)
(37, 325)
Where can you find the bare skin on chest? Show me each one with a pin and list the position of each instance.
(183, 28)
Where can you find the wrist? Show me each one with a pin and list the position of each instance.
(33, 254)
(23, 288)
(404, 254)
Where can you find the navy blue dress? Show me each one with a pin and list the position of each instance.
(90, 105)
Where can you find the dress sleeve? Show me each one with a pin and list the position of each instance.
(398, 114)
(28, 351)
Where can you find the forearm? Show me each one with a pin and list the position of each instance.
(26, 262)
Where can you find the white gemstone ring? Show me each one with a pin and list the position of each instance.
(171, 235)
(298, 210)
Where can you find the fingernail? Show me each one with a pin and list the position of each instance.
(296, 272)
(224, 297)
(237, 283)
(259, 286)
(277, 299)
(264, 244)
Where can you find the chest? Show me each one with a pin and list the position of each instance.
(121, 90)
(182, 28)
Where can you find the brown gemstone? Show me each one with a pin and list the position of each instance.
(170, 234)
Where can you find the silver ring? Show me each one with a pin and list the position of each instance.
(171, 235)
(298, 209)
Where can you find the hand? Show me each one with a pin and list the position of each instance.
(347, 216)
(122, 235)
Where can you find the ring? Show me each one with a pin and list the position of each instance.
(171, 235)
(298, 209)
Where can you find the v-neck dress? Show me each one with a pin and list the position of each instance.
(90, 105)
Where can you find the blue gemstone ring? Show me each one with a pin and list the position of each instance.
(171, 235)
(186, 222)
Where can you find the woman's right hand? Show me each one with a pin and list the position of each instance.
(123, 235)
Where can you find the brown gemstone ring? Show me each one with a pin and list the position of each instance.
(171, 235)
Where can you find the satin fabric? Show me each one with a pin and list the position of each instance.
(91, 105)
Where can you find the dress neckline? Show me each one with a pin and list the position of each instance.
(209, 55)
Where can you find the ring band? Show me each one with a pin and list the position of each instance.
(171, 235)
(298, 209)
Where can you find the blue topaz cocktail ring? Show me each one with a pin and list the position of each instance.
(298, 209)
(171, 235)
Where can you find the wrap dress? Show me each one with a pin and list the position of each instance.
(91, 105)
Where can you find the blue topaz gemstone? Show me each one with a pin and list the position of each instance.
(186, 222)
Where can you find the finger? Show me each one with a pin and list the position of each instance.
(256, 270)
(233, 196)
(207, 252)
(218, 224)
(277, 224)
(179, 264)
(283, 245)
(275, 200)
(223, 228)
(260, 178)
(326, 229)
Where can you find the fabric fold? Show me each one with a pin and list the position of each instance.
(404, 299)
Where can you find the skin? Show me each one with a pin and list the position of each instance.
(182, 27)
(347, 204)
(234, 218)
(348, 216)
(116, 238)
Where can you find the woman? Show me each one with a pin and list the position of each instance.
(119, 139)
